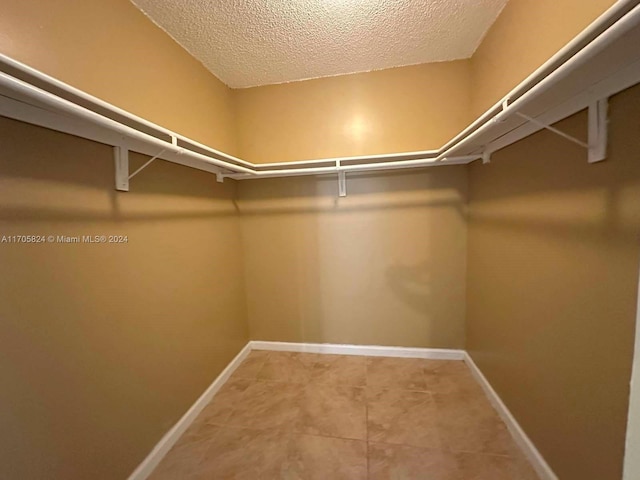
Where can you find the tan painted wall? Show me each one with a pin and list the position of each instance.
(395, 110)
(552, 287)
(525, 35)
(111, 50)
(383, 266)
(104, 347)
(632, 445)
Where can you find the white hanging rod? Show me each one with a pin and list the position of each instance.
(618, 20)
(57, 84)
(625, 24)
(22, 88)
(364, 167)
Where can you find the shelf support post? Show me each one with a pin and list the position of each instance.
(121, 158)
(342, 180)
(598, 130)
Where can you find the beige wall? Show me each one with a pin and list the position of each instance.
(397, 110)
(552, 286)
(111, 50)
(383, 266)
(525, 35)
(632, 445)
(105, 346)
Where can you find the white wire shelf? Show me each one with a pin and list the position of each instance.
(601, 61)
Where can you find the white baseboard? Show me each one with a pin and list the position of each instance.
(365, 350)
(538, 462)
(172, 436)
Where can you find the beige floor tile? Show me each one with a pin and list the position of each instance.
(423, 419)
(333, 411)
(491, 467)
(404, 373)
(251, 365)
(183, 460)
(267, 405)
(340, 370)
(400, 462)
(402, 417)
(288, 367)
(468, 423)
(447, 376)
(173, 467)
(223, 403)
(322, 458)
(244, 454)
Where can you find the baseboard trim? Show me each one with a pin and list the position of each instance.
(538, 462)
(365, 350)
(171, 437)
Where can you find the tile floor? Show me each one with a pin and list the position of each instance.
(331, 417)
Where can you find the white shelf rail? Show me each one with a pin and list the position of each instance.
(601, 61)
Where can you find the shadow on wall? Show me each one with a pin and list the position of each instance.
(56, 174)
(413, 284)
(321, 268)
(365, 191)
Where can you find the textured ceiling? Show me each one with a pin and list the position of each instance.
(257, 42)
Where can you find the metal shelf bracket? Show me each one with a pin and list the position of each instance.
(342, 180)
(598, 130)
(121, 157)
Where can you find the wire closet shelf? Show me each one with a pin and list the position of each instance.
(602, 61)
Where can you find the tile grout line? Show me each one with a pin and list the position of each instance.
(366, 417)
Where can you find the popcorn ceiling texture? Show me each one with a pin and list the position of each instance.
(257, 42)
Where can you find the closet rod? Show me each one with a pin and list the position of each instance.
(588, 35)
(25, 89)
(62, 86)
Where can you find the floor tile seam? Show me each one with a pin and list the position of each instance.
(392, 387)
(433, 449)
(293, 431)
(444, 450)
(366, 432)
(477, 452)
(412, 445)
(487, 454)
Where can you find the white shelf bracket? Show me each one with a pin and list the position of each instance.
(553, 129)
(121, 158)
(486, 158)
(220, 177)
(342, 183)
(598, 130)
(342, 180)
